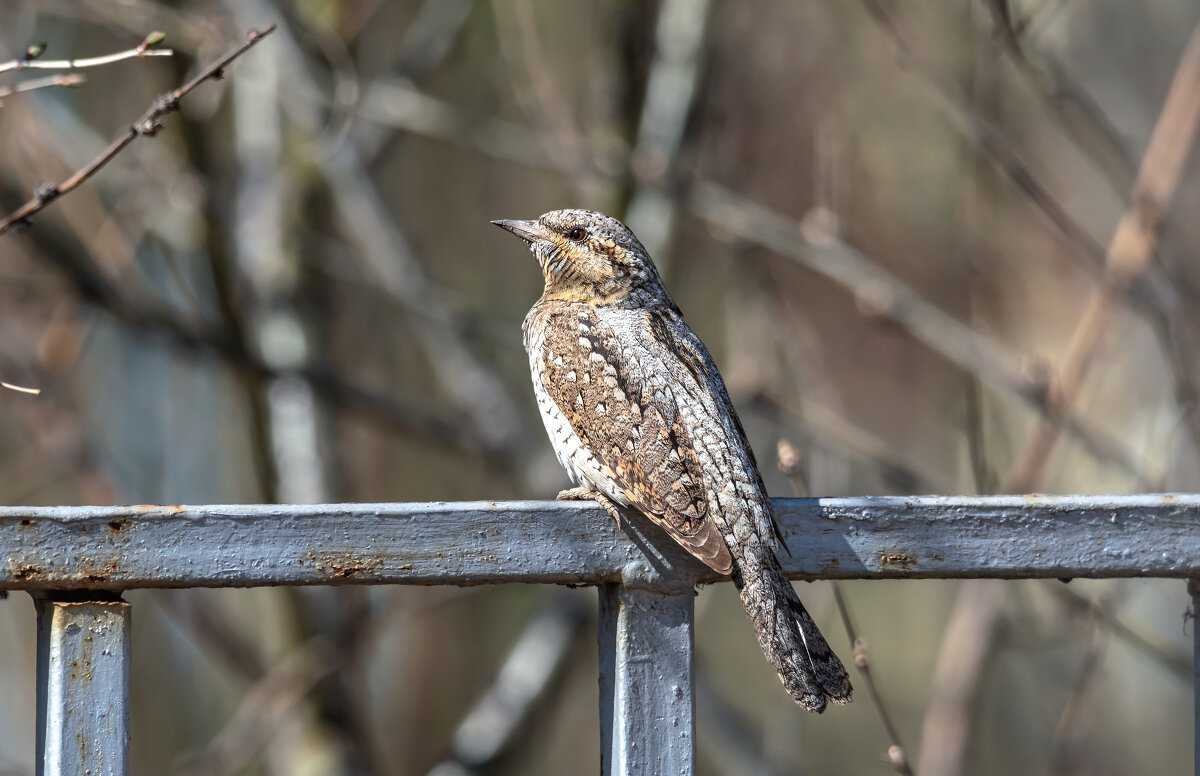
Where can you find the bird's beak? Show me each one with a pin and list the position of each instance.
(529, 231)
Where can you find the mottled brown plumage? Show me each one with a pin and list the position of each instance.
(639, 416)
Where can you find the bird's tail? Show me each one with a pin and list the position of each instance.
(788, 636)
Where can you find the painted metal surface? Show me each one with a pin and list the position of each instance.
(646, 638)
(1194, 591)
(83, 688)
(471, 543)
(647, 662)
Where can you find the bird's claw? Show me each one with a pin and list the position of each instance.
(587, 494)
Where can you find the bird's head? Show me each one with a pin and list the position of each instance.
(587, 256)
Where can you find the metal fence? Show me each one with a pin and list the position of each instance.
(76, 560)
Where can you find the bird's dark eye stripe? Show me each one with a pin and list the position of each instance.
(577, 234)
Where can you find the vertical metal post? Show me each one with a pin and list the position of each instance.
(83, 687)
(1194, 592)
(647, 716)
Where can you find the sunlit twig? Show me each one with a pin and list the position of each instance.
(20, 388)
(148, 124)
(33, 61)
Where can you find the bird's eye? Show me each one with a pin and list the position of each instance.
(577, 234)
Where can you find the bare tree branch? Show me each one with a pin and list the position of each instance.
(1068, 748)
(990, 142)
(385, 250)
(429, 37)
(199, 337)
(967, 644)
(148, 124)
(266, 707)
(1169, 656)
(1077, 113)
(403, 106)
(814, 244)
(671, 90)
(1129, 255)
(541, 100)
(530, 673)
(33, 61)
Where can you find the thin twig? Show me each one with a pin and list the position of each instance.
(862, 661)
(1129, 254)
(791, 464)
(68, 81)
(148, 124)
(32, 61)
(20, 388)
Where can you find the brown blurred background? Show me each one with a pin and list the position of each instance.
(892, 222)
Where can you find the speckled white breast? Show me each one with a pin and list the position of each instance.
(582, 467)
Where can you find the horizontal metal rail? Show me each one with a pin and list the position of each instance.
(75, 560)
(472, 543)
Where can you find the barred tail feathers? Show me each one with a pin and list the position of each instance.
(791, 641)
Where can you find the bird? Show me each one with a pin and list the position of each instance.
(640, 418)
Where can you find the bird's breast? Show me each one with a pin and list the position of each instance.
(582, 467)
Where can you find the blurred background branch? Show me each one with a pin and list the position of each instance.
(1128, 256)
(69, 81)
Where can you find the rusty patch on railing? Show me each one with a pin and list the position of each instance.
(898, 559)
(343, 565)
(102, 573)
(24, 572)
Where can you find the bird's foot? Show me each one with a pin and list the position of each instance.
(587, 494)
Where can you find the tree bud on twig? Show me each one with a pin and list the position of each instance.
(152, 41)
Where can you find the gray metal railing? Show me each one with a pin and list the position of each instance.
(76, 560)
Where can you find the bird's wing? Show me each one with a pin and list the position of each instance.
(619, 401)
